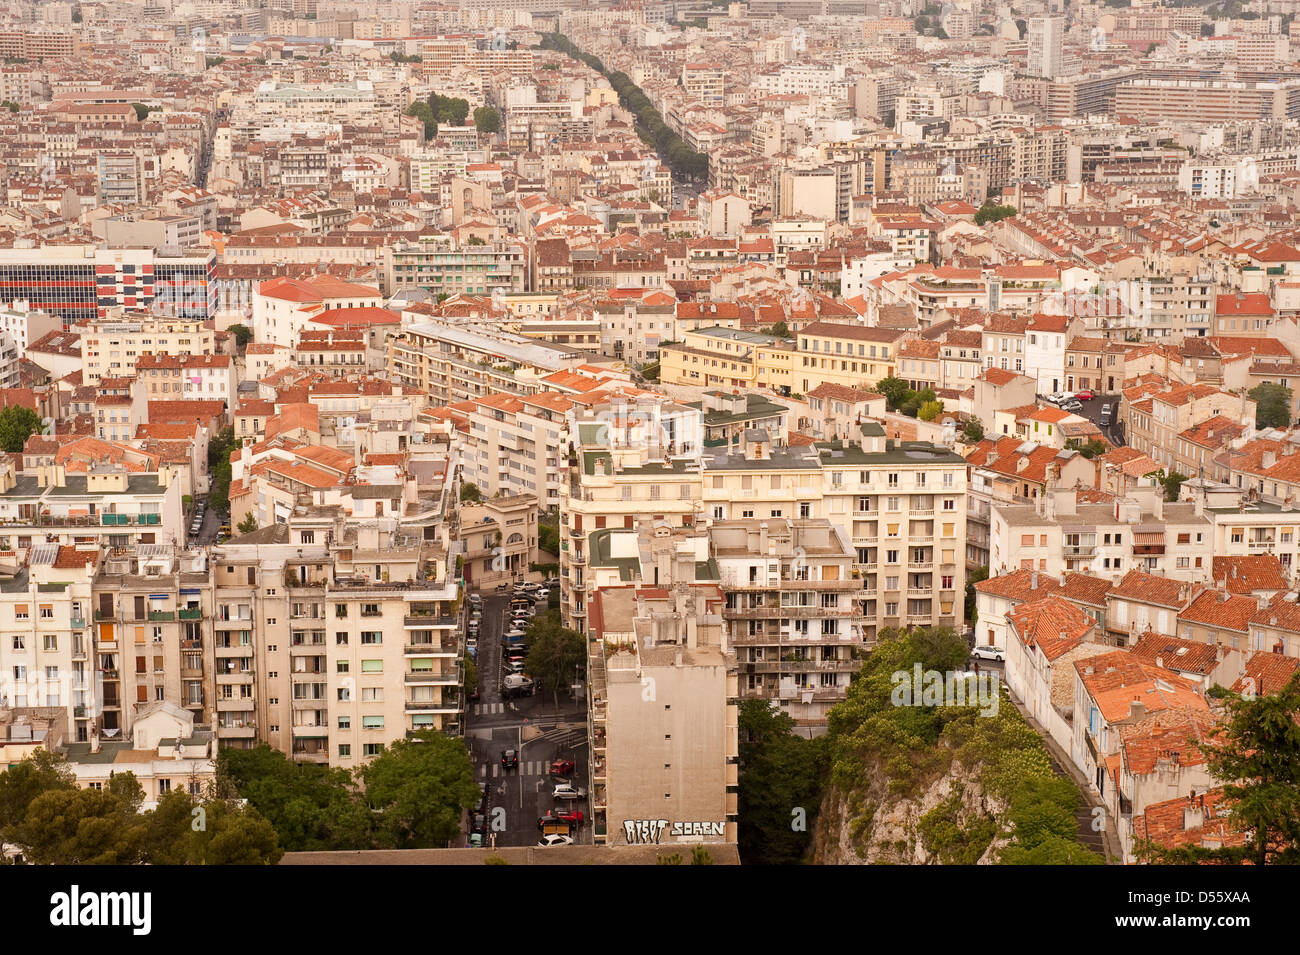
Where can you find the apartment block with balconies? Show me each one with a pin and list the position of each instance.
(793, 613)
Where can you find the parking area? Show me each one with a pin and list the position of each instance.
(1091, 408)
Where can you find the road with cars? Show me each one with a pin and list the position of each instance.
(535, 729)
(1092, 410)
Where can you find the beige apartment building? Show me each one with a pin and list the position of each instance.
(662, 700)
(152, 606)
(331, 652)
(1155, 423)
(500, 538)
(635, 460)
(516, 445)
(793, 613)
(110, 347)
(47, 652)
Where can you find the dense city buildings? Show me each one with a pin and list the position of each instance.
(591, 385)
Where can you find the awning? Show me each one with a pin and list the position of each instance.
(1149, 537)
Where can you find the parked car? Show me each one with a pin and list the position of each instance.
(509, 759)
(989, 653)
(502, 588)
(478, 822)
(515, 666)
(1071, 405)
(476, 600)
(1085, 395)
(1105, 415)
(574, 817)
(568, 791)
(1057, 397)
(555, 839)
(561, 767)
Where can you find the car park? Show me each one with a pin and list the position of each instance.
(568, 791)
(989, 653)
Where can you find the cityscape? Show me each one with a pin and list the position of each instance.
(650, 432)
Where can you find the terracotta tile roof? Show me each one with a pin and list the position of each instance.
(1279, 613)
(1181, 743)
(1116, 681)
(1149, 588)
(1172, 653)
(1023, 585)
(70, 557)
(1003, 456)
(1213, 608)
(1051, 623)
(1167, 823)
(1248, 573)
(1269, 671)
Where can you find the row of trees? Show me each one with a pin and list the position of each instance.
(448, 110)
(55, 822)
(684, 162)
(554, 653)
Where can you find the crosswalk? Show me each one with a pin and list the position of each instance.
(533, 767)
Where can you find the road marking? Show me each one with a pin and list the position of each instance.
(496, 770)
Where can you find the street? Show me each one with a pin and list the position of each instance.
(1114, 431)
(536, 730)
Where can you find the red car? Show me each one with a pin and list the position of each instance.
(573, 818)
(561, 767)
(1085, 395)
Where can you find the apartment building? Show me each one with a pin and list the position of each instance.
(500, 538)
(283, 307)
(444, 266)
(152, 610)
(1155, 423)
(191, 377)
(729, 358)
(106, 504)
(113, 346)
(850, 355)
(329, 652)
(663, 690)
(457, 364)
(81, 282)
(634, 460)
(48, 654)
(793, 613)
(516, 445)
(1140, 531)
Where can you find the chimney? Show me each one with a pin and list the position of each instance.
(1033, 581)
(762, 539)
(1062, 581)
(94, 741)
(1193, 816)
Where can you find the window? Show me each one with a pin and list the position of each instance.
(51, 642)
(345, 750)
(47, 611)
(340, 638)
(371, 637)
(372, 749)
(345, 722)
(372, 666)
(342, 666)
(19, 642)
(372, 722)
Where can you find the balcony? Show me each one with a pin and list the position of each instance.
(242, 676)
(801, 666)
(429, 677)
(796, 613)
(448, 708)
(191, 673)
(450, 648)
(190, 613)
(1080, 550)
(162, 616)
(234, 651)
(237, 730)
(427, 621)
(77, 623)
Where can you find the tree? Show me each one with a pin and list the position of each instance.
(38, 773)
(930, 410)
(141, 111)
(973, 432)
(419, 786)
(781, 781)
(212, 61)
(973, 578)
(895, 391)
(421, 111)
(310, 807)
(1092, 448)
(1171, 482)
(185, 831)
(992, 212)
(554, 653)
(17, 424)
(487, 119)
(1272, 405)
(248, 524)
(128, 789)
(470, 492)
(242, 333)
(219, 449)
(80, 827)
(1257, 753)
(10, 105)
